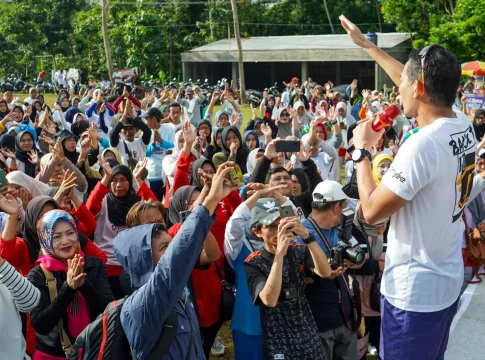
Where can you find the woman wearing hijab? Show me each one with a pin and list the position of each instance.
(26, 153)
(283, 122)
(69, 142)
(169, 163)
(479, 124)
(110, 202)
(206, 283)
(232, 149)
(17, 180)
(380, 165)
(324, 160)
(82, 286)
(4, 110)
(23, 252)
(216, 144)
(373, 238)
(253, 157)
(204, 133)
(250, 140)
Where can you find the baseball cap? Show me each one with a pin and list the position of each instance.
(189, 91)
(295, 80)
(265, 211)
(152, 112)
(328, 191)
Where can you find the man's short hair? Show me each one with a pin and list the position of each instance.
(157, 230)
(442, 74)
(276, 169)
(174, 104)
(325, 205)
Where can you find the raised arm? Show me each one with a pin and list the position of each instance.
(24, 294)
(391, 66)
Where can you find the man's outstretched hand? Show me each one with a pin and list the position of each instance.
(355, 34)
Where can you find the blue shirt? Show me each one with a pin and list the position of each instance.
(246, 316)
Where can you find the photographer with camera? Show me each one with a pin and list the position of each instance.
(331, 302)
(276, 280)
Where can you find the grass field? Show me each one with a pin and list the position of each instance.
(52, 98)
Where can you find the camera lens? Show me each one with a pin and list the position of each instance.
(355, 255)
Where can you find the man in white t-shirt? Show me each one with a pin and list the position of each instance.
(424, 192)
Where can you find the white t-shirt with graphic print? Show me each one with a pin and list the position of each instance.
(434, 171)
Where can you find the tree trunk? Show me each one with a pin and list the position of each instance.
(107, 49)
(328, 16)
(242, 86)
(210, 21)
(379, 16)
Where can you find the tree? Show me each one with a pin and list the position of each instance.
(107, 48)
(239, 49)
(464, 32)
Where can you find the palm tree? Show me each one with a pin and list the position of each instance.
(239, 49)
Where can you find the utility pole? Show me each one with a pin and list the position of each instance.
(378, 15)
(239, 50)
(328, 16)
(107, 49)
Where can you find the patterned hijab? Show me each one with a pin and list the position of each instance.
(45, 229)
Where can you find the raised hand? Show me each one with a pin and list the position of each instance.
(34, 157)
(234, 117)
(8, 154)
(138, 170)
(68, 183)
(284, 237)
(266, 130)
(125, 92)
(303, 154)
(188, 133)
(75, 272)
(270, 151)
(25, 197)
(105, 166)
(233, 148)
(293, 113)
(9, 204)
(221, 186)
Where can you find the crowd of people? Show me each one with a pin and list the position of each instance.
(196, 218)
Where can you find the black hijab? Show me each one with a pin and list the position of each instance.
(79, 127)
(479, 130)
(7, 141)
(70, 155)
(118, 207)
(195, 179)
(23, 155)
(213, 148)
(208, 123)
(302, 179)
(29, 228)
(242, 154)
(180, 202)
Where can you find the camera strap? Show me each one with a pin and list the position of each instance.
(355, 299)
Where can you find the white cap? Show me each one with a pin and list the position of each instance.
(329, 191)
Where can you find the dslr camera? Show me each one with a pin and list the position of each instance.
(344, 250)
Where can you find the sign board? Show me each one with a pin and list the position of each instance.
(473, 103)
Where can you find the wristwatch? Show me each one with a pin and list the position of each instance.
(311, 238)
(359, 154)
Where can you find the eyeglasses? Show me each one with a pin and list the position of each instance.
(422, 55)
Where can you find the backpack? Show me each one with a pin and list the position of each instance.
(104, 338)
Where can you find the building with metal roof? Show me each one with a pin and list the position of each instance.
(279, 58)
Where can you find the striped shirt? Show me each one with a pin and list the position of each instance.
(24, 294)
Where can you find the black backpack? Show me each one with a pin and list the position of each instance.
(104, 338)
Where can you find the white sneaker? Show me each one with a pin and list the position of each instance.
(218, 347)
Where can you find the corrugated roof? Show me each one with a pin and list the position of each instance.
(304, 42)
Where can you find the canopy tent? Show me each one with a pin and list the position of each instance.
(473, 68)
